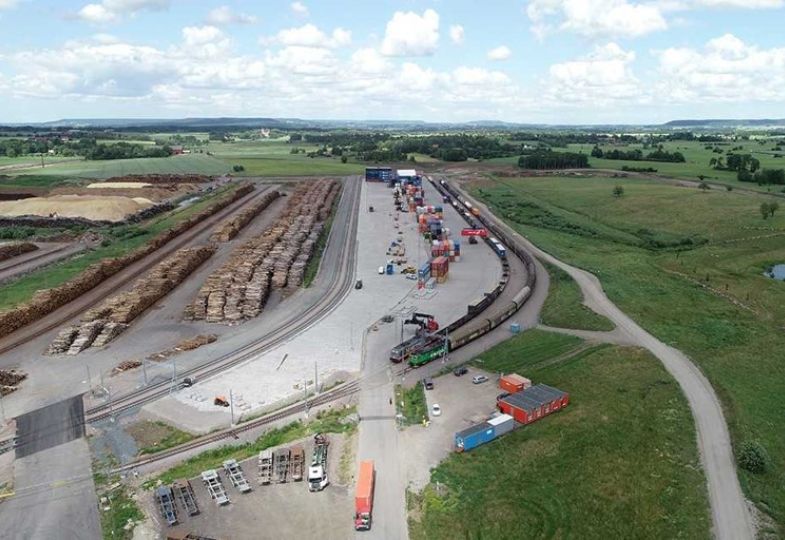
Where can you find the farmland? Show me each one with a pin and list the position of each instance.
(687, 266)
(564, 308)
(193, 163)
(620, 461)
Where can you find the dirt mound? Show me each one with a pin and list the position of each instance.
(111, 208)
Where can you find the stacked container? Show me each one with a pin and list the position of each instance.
(440, 267)
(446, 248)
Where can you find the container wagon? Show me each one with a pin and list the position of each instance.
(185, 494)
(165, 499)
(298, 462)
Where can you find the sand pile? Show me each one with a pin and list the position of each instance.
(118, 185)
(110, 208)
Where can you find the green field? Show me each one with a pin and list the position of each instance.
(410, 403)
(619, 462)
(193, 163)
(564, 306)
(687, 266)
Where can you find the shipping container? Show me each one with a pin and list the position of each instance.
(474, 436)
(363, 496)
(533, 403)
(512, 382)
(502, 423)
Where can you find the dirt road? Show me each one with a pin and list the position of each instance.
(730, 515)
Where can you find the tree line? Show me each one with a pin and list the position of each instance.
(636, 154)
(548, 159)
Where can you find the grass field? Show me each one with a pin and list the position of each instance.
(707, 298)
(619, 462)
(193, 163)
(274, 158)
(411, 404)
(564, 306)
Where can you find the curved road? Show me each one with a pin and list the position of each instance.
(730, 514)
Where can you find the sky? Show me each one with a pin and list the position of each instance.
(537, 61)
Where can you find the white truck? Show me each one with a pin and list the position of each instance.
(317, 472)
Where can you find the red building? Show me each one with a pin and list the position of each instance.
(533, 403)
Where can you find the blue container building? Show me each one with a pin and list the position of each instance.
(474, 436)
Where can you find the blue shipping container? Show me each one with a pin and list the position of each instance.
(474, 436)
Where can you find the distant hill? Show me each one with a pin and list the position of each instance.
(726, 123)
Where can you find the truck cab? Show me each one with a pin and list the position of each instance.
(317, 478)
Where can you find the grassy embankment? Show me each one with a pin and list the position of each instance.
(688, 266)
(157, 436)
(120, 240)
(122, 508)
(410, 403)
(333, 421)
(564, 306)
(619, 462)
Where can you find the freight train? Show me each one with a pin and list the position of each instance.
(421, 350)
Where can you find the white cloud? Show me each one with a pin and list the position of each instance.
(726, 70)
(749, 4)
(8, 4)
(224, 15)
(603, 76)
(410, 34)
(593, 18)
(109, 11)
(201, 35)
(369, 61)
(456, 34)
(502, 52)
(310, 35)
(299, 8)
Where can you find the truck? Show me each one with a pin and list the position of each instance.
(317, 472)
(363, 496)
(297, 463)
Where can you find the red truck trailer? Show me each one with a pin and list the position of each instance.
(363, 497)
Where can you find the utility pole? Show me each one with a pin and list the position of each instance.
(315, 377)
(144, 371)
(231, 408)
(89, 379)
(2, 409)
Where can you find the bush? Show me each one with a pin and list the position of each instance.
(238, 168)
(753, 457)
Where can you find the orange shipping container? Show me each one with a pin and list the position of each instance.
(363, 496)
(512, 382)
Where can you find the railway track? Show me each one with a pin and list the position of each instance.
(342, 391)
(36, 257)
(111, 285)
(289, 328)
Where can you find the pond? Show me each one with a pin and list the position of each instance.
(776, 272)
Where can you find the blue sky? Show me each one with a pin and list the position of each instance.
(545, 61)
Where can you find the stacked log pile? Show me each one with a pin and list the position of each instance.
(105, 322)
(233, 225)
(46, 301)
(277, 258)
(14, 250)
(9, 380)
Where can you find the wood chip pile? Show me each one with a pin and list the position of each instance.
(14, 250)
(232, 226)
(104, 323)
(9, 380)
(46, 301)
(239, 289)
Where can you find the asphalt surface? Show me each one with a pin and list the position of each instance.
(50, 426)
(730, 514)
(55, 496)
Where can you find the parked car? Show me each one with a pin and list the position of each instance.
(463, 370)
(427, 382)
(479, 379)
(436, 410)
(358, 284)
(411, 276)
(381, 270)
